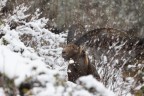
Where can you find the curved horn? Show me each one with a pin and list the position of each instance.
(74, 32)
(71, 32)
(96, 32)
(87, 36)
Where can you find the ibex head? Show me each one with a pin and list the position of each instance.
(70, 51)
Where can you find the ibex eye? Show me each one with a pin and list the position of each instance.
(63, 52)
(73, 47)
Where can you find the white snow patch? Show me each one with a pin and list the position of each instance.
(91, 82)
(17, 67)
(71, 61)
(2, 92)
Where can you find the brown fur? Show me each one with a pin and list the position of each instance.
(81, 65)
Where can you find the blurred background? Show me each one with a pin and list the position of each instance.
(127, 15)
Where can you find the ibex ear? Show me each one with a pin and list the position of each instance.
(76, 49)
(80, 49)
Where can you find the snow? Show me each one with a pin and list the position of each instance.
(2, 3)
(2, 92)
(71, 61)
(17, 67)
(90, 82)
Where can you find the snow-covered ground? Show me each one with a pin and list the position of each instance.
(39, 59)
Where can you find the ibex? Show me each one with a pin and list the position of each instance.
(81, 65)
(107, 41)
